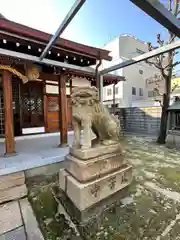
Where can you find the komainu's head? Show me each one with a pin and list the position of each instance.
(85, 95)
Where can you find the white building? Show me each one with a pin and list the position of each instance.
(134, 91)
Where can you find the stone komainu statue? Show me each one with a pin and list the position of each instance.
(88, 113)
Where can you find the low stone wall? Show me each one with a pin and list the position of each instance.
(144, 120)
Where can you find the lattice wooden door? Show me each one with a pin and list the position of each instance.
(32, 105)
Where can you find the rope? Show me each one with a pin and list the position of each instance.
(15, 72)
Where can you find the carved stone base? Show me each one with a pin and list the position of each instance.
(96, 151)
(92, 214)
(94, 168)
(94, 175)
(85, 195)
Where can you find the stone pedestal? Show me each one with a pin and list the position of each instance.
(94, 175)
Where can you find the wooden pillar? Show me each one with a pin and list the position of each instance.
(70, 85)
(45, 106)
(63, 121)
(8, 113)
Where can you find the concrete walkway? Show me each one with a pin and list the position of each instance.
(33, 152)
(17, 221)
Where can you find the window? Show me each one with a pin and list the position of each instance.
(140, 71)
(114, 105)
(109, 91)
(139, 51)
(150, 93)
(140, 92)
(133, 91)
(116, 90)
(153, 93)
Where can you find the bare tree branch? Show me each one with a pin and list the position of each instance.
(170, 6)
(171, 65)
(159, 40)
(153, 63)
(173, 88)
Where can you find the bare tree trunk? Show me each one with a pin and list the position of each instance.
(164, 117)
(166, 100)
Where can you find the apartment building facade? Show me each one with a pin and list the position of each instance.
(142, 79)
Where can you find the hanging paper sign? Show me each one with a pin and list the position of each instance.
(53, 105)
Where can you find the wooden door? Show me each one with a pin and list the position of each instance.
(53, 124)
(53, 113)
(32, 104)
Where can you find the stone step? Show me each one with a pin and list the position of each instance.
(13, 193)
(11, 180)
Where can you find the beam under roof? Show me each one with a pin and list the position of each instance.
(160, 13)
(143, 57)
(45, 61)
(71, 14)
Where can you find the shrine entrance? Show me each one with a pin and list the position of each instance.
(27, 105)
(31, 97)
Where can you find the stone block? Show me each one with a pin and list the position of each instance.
(13, 193)
(16, 234)
(93, 168)
(31, 225)
(62, 179)
(95, 151)
(84, 195)
(12, 180)
(10, 217)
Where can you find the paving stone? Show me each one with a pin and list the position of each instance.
(12, 180)
(16, 234)
(10, 217)
(31, 225)
(13, 193)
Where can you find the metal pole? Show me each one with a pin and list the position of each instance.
(114, 100)
(71, 14)
(160, 13)
(101, 88)
(143, 57)
(46, 61)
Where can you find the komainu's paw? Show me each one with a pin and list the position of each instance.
(76, 145)
(85, 147)
(108, 142)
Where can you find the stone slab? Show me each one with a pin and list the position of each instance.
(84, 195)
(16, 234)
(12, 180)
(13, 193)
(173, 140)
(31, 225)
(93, 213)
(94, 168)
(10, 217)
(95, 151)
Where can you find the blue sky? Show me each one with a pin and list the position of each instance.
(97, 22)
